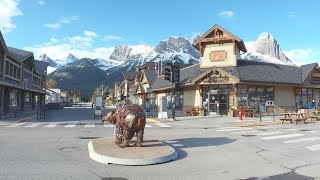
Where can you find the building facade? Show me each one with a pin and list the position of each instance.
(222, 81)
(22, 79)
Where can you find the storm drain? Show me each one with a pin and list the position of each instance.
(70, 149)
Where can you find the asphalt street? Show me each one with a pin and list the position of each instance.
(209, 148)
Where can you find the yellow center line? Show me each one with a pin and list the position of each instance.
(24, 119)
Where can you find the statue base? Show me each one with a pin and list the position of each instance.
(106, 151)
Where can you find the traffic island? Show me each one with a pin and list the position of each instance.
(106, 151)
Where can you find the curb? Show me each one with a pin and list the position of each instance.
(24, 119)
(130, 162)
(152, 120)
(262, 124)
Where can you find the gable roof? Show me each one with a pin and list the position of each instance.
(19, 53)
(41, 66)
(151, 75)
(242, 47)
(2, 42)
(129, 75)
(307, 70)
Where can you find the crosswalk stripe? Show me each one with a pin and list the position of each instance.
(16, 125)
(246, 132)
(314, 147)
(33, 125)
(148, 125)
(70, 125)
(267, 133)
(89, 125)
(51, 125)
(235, 129)
(309, 139)
(108, 125)
(282, 136)
(162, 125)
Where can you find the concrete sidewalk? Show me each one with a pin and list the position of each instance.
(24, 117)
(248, 121)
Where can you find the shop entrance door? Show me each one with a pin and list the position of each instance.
(218, 103)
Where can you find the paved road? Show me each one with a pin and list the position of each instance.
(56, 148)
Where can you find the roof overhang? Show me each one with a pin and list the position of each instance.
(216, 27)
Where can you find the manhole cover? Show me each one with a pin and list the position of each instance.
(248, 135)
(305, 130)
(69, 149)
(88, 137)
(262, 130)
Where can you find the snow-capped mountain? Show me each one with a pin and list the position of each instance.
(266, 49)
(70, 59)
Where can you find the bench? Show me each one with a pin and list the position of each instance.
(249, 112)
(286, 119)
(193, 111)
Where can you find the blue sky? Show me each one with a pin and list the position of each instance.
(92, 28)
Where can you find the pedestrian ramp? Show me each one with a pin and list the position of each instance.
(309, 139)
(31, 125)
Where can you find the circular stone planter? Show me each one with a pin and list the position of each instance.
(105, 151)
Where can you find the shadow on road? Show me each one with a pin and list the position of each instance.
(180, 144)
(290, 175)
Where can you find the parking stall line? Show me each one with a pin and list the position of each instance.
(33, 125)
(108, 125)
(16, 125)
(246, 132)
(148, 125)
(282, 136)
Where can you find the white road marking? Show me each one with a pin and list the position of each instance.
(33, 125)
(248, 132)
(291, 129)
(51, 125)
(89, 125)
(70, 125)
(267, 133)
(309, 139)
(108, 125)
(162, 125)
(314, 147)
(282, 136)
(148, 125)
(16, 125)
(235, 129)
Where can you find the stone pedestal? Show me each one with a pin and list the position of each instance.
(105, 151)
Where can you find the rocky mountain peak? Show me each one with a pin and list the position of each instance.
(266, 48)
(120, 53)
(44, 57)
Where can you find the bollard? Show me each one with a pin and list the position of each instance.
(260, 117)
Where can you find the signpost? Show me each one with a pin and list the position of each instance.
(98, 107)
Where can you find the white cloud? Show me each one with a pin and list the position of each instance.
(226, 14)
(292, 14)
(8, 9)
(90, 34)
(80, 46)
(63, 20)
(54, 40)
(40, 2)
(301, 56)
(112, 38)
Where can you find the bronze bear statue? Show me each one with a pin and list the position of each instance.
(129, 120)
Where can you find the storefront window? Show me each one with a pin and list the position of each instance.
(14, 98)
(27, 98)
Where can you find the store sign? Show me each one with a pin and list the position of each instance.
(213, 79)
(218, 55)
